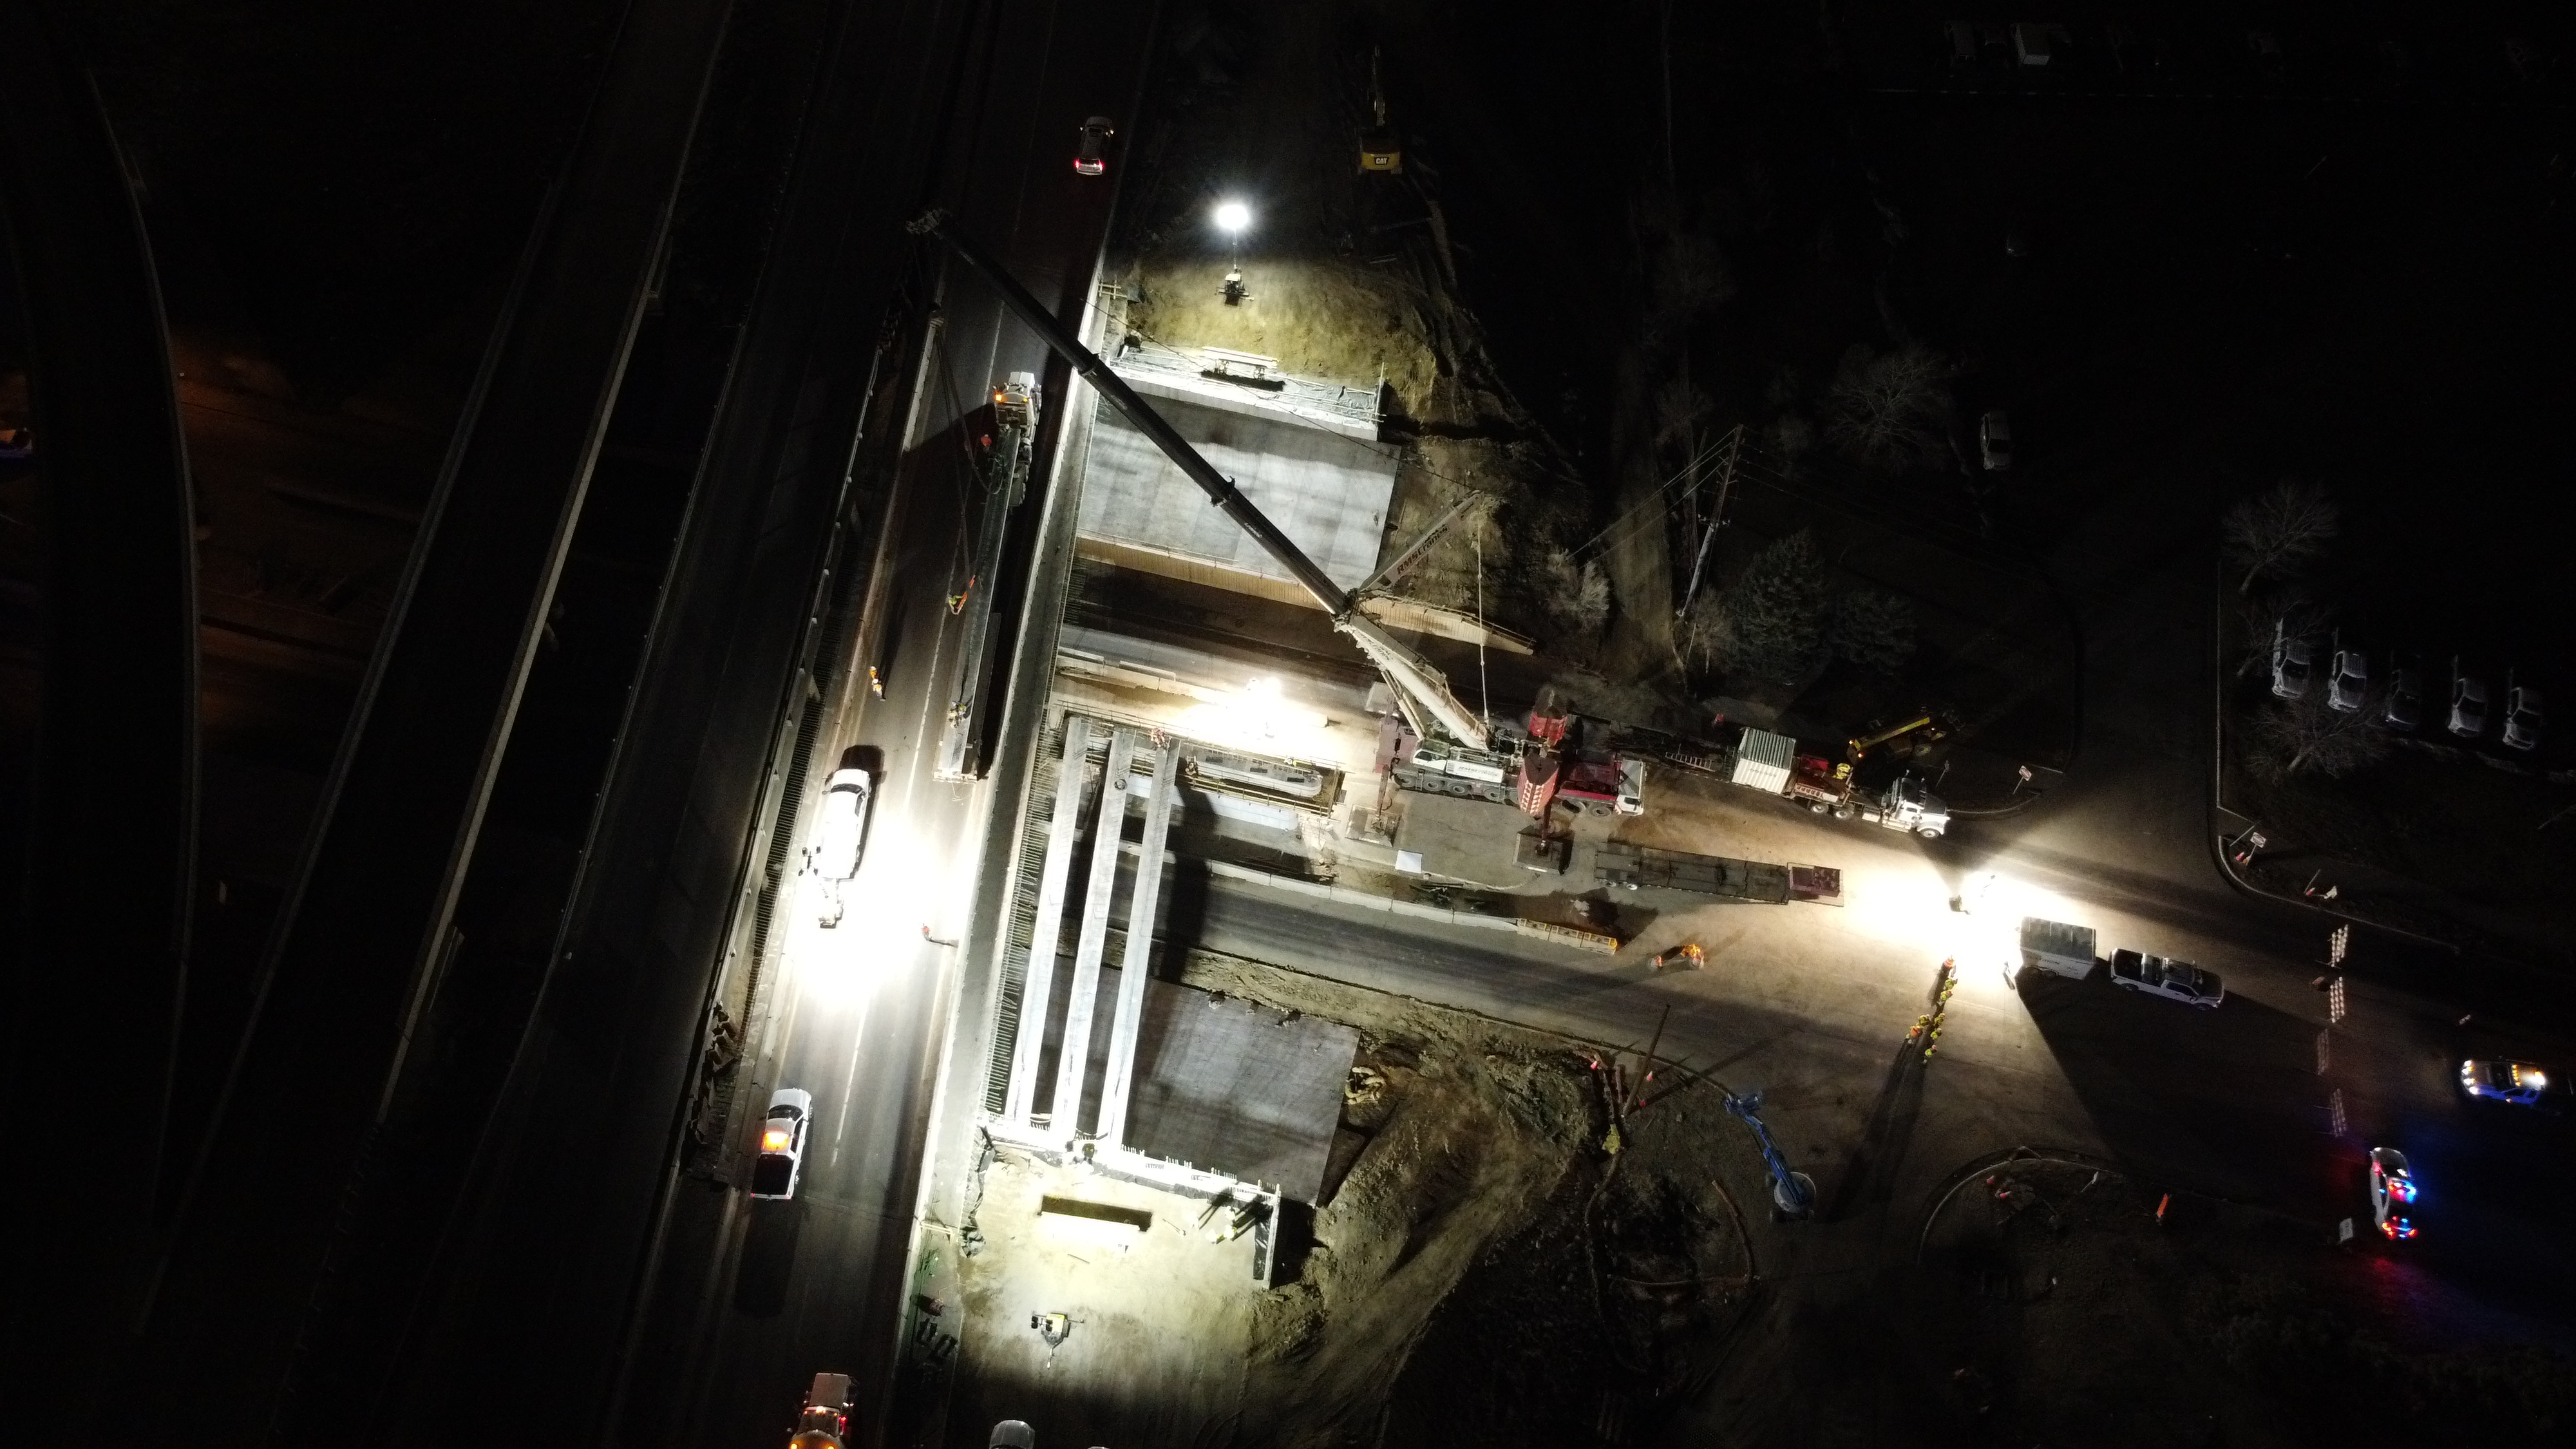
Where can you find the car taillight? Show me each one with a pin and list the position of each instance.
(774, 1140)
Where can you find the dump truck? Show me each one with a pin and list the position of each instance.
(2056, 947)
(1604, 783)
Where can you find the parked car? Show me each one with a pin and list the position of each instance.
(2522, 717)
(1091, 147)
(2468, 706)
(2520, 1083)
(782, 1143)
(1994, 440)
(2392, 1193)
(2349, 684)
(2294, 665)
(2163, 976)
(2404, 709)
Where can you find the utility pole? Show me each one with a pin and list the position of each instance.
(1717, 516)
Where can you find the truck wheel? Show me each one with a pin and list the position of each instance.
(1927, 832)
(1844, 812)
(1595, 807)
(1817, 808)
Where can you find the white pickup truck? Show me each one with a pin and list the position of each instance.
(2163, 976)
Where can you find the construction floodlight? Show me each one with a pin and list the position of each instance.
(1232, 217)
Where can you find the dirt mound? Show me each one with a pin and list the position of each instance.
(1484, 1261)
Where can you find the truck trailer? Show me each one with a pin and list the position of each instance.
(2056, 947)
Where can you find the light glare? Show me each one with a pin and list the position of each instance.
(1233, 216)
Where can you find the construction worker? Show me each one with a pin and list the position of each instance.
(1687, 956)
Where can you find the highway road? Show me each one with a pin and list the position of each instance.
(616, 1282)
(857, 1012)
(771, 1292)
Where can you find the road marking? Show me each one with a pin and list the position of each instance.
(850, 1079)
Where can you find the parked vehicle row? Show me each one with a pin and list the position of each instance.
(2070, 950)
(2400, 705)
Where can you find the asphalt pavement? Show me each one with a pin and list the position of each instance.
(772, 1292)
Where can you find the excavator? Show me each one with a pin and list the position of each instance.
(1927, 728)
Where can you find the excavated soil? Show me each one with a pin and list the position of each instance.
(1483, 1262)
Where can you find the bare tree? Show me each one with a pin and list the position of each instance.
(1891, 409)
(1789, 437)
(2304, 736)
(1686, 276)
(1705, 638)
(2278, 529)
(1682, 412)
(1575, 594)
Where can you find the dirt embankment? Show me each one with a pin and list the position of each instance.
(1485, 1269)
(1484, 1263)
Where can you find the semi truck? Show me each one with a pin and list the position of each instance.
(1774, 763)
(824, 1422)
(1613, 779)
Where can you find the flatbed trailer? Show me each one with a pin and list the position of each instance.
(1635, 866)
